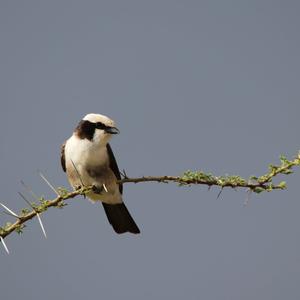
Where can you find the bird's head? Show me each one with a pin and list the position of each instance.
(96, 128)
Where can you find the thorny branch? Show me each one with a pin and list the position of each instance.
(26, 215)
(253, 184)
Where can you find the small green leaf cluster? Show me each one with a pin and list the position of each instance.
(61, 204)
(189, 177)
(233, 181)
(266, 180)
(62, 191)
(256, 184)
(24, 211)
(19, 228)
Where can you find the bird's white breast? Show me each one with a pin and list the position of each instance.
(86, 155)
(84, 152)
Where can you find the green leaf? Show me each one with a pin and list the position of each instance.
(258, 190)
(282, 185)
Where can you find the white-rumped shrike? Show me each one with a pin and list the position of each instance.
(88, 160)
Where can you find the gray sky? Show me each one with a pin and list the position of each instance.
(211, 85)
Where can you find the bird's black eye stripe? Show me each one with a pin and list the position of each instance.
(100, 125)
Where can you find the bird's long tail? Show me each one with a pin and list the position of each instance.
(120, 218)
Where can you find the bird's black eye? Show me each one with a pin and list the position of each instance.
(100, 125)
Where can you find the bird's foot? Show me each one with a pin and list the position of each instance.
(124, 174)
(97, 189)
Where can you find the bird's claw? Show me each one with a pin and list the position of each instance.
(97, 189)
(124, 174)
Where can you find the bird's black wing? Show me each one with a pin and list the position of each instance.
(62, 157)
(114, 166)
(118, 214)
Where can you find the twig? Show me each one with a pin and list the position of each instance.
(24, 217)
(37, 214)
(253, 184)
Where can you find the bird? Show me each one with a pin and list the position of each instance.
(88, 160)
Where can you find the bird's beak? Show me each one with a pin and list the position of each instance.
(112, 130)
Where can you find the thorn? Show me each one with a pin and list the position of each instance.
(7, 213)
(49, 184)
(249, 191)
(219, 194)
(41, 224)
(104, 186)
(37, 214)
(22, 196)
(82, 184)
(30, 190)
(4, 245)
(9, 210)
